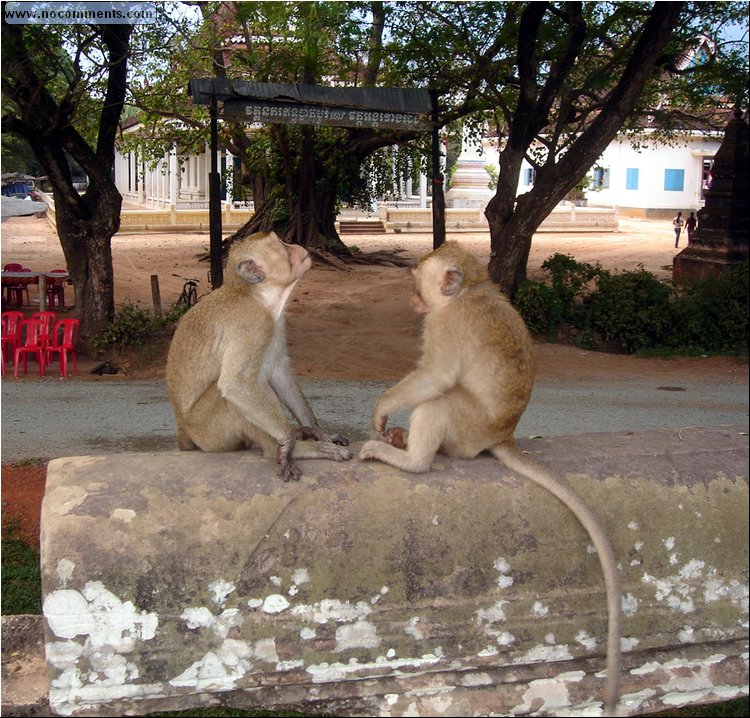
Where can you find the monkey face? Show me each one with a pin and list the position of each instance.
(436, 282)
(265, 258)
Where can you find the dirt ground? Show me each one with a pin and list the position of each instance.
(353, 324)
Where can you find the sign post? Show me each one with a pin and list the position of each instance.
(378, 108)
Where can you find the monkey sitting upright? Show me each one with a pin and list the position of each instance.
(228, 371)
(472, 383)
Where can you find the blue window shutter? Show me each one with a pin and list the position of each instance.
(631, 179)
(674, 180)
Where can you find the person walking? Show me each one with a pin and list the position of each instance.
(677, 224)
(690, 224)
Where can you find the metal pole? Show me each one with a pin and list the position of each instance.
(438, 195)
(214, 203)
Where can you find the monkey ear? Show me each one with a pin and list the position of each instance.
(452, 281)
(250, 271)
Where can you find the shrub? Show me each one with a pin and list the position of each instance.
(636, 310)
(632, 309)
(541, 308)
(132, 327)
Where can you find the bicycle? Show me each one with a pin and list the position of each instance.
(189, 295)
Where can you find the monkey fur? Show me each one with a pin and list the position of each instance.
(228, 372)
(467, 394)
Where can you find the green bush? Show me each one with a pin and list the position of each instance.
(541, 308)
(132, 327)
(631, 309)
(637, 311)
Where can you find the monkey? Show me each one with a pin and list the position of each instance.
(471, 385)
(228, 371)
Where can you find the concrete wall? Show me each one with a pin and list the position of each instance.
(174, 580)
(564, 218)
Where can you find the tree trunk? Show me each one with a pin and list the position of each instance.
(299, 211)
(85, 223)
(85, 230)
(513, 222)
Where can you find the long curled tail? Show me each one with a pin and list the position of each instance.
(517, 462)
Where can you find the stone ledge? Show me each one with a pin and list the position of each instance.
(177, 580)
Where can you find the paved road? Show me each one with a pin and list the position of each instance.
(52, 418)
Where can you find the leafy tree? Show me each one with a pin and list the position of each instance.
(559, 81)
(65, 87)
(298, 174)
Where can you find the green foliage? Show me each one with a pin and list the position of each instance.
(636, 311)
(133, 326)
(631, 309)
(21, 574)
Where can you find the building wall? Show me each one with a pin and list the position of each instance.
(653, 181)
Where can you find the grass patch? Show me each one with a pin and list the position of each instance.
(21, 573)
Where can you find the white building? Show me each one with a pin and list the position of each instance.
(652, 180)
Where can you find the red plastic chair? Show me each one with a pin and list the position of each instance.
(48, 320)
(31, 330)
(11, 330)
(56, 289)
(14, 286)
(63, 341)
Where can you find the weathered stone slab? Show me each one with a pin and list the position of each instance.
(175, 580)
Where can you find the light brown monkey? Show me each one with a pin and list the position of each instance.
(472, 383)
(228, 370)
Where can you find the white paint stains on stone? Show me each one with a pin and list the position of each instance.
(220, 625)
(361, 634)
(100, 615)
(686, 635)
(543, 654)
(494, 614)
(330, 609)
(65, 570)
(275, 603)
(633, 525)
(685, 678)
(628, 644)
(539, 609)
(325, 672)
(474, 680)
(629, 604)
(275, 580)
(413, 629)
(220, 590)
(679, 590)
(552, 692)
(300, 576)
(111, 628)
(504, 580)
(307, 634)
(669, 543)
(125, 515)
(587, 641)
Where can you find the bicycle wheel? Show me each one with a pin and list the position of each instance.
(182, 300)
(192, 296)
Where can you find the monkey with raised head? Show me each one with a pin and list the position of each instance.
(228, 372)
(471, 385)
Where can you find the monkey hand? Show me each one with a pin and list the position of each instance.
(287, 470)
(395, 436)
(316, 433)
(377, 427)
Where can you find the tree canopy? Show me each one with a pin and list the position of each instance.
(556, 81)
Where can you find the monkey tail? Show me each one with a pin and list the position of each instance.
(517, 462)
